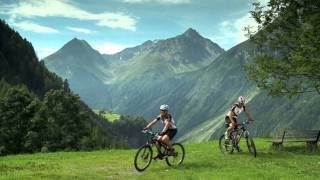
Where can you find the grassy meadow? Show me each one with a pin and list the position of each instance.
(203, 161)
(110, 116)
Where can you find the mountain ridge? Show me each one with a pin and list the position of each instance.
(200, 83)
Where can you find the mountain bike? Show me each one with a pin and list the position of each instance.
(144, 155)
(227, 146)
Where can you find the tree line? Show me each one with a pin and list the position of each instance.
(59, 121)
(39, 112)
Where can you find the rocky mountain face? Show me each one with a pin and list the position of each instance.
(198, 79)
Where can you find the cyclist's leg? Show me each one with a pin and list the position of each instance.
(229, 127)
(167, 137)
(157, 143)
(228, 131)
(233, 127)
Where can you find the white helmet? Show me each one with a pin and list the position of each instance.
(164, 107)
(241, 99)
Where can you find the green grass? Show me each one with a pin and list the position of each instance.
(203, 161)
(110, 116)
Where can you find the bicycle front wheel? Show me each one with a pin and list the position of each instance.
(178, 155)
(143, 158)
(225, 145)
(251, 146)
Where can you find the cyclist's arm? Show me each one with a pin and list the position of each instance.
(231, 114)
(249, 116)
(151, 124)
(166, 126)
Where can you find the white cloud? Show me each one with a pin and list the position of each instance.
(44, 52)
(59, 8)
(225, 23)
(110, 48)
(116, 20)
(30, 26)
(81, 30)
(232, 31)
(158, 1)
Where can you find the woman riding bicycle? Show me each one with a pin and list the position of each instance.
(231, 117)
(169, 130)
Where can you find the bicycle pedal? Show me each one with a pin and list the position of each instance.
(160, 157)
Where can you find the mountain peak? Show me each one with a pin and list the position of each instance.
(75, 39)
(78, 42)
(191, 33)
(77, 46)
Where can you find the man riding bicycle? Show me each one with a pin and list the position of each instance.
(169, 130)
(231, 117)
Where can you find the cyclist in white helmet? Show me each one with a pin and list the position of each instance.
(169, 130)
(231, 117)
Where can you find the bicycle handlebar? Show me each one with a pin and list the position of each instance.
(149, 132)
(243, 123)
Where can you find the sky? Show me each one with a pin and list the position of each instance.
(109, 26)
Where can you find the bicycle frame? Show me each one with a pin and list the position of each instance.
(153, 142)
(145, 153)
(227, 145)
(243, 132)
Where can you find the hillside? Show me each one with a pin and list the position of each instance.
(203, 161)
(150, 70)
(200, 82)
(270, 113)
(19, 64)
(39, 112)
(84, 68)
(156, 60)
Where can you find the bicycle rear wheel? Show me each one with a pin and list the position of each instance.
(143, 158)
(251, 146)
(178, 155)
(225, 145)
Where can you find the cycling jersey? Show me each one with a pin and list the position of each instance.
(236, 109)
(169, 118)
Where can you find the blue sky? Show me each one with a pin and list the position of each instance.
(112, 25)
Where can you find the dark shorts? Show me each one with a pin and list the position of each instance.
(227, 121)
(171, 133)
